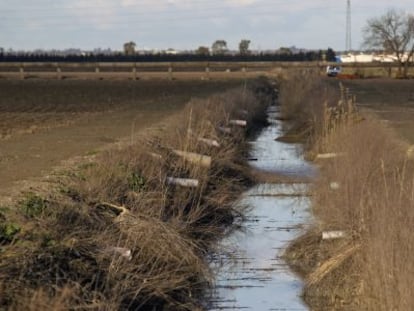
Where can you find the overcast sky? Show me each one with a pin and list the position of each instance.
(185, 24)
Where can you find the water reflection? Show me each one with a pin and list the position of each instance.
(251, 274)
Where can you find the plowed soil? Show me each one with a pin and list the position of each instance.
(390, 99)
(45, 122)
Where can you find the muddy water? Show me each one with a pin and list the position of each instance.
(250, 271)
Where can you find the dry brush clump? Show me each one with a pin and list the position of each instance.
(123, 234)
(302, 95)
(366, 190)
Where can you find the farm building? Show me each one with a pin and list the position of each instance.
(368, 58)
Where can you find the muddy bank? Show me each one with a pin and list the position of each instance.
(251, 273)
(130, 229)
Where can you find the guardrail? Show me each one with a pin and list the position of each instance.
(169, 70)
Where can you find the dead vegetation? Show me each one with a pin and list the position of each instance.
(121, 235)
(365, 189)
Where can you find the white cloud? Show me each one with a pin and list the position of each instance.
(178, 3)
(241, 2)
(185, 23)
(100, 16)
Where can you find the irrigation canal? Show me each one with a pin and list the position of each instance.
(251, 274)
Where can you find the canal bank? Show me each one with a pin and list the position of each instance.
(130, 228)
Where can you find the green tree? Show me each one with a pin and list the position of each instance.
(330, 55)
(203, 50)
(244, 47)
(393, 33)
(219, 47)
(129, 48)
(285, 51)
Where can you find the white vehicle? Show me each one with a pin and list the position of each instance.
(333, 71)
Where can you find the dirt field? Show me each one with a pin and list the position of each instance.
(391, 100)
(45, 122)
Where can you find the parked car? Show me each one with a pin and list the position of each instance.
(333, 71)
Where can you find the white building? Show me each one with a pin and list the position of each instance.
(384, 58)
(368, 58)
(171, 52)
(357, 58)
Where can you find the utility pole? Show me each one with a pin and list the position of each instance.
(348, 39)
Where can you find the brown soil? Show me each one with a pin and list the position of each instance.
(43, 123)
(391, 100)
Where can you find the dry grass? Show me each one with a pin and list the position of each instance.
(304, 97)
(119, 236)
(373, 202)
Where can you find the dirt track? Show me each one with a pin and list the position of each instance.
(46, 122)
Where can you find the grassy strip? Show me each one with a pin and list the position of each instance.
(119, 236)
(367, 192)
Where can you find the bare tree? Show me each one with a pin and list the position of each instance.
(244, 47)
(129, 48)
(219, 47)
(393, 33)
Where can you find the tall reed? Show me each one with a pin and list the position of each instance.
(367, 191)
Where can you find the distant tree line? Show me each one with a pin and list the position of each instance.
(200, 55)
(218, 52)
